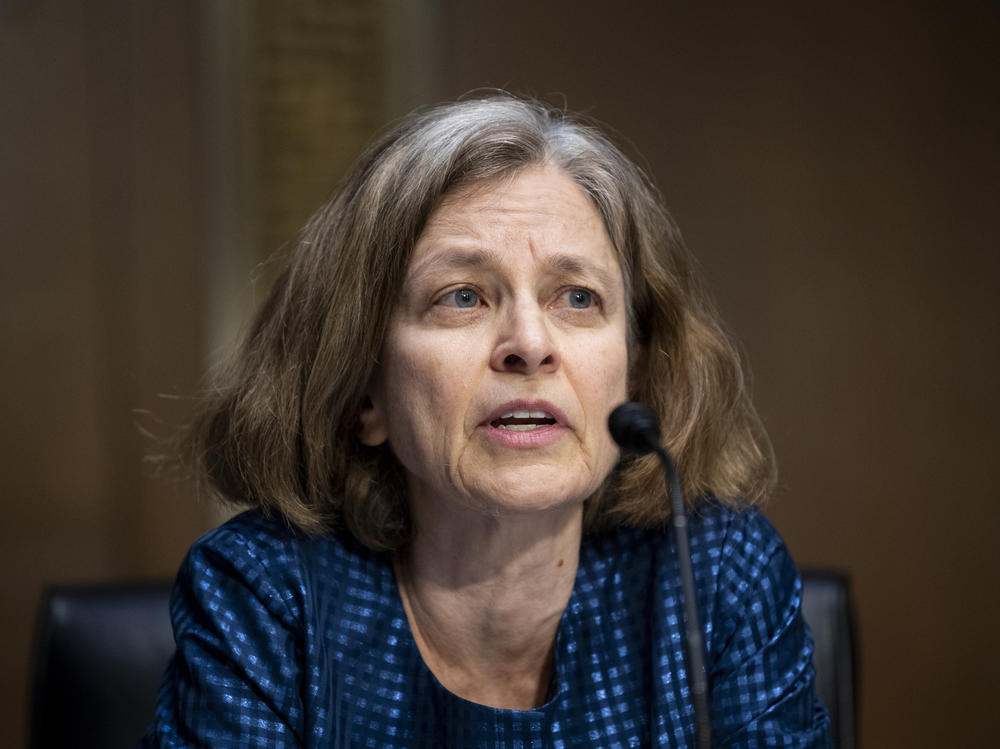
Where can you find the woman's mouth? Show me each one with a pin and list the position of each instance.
(523, 421)
(526, 424)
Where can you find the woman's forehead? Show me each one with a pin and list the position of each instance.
(539, 204)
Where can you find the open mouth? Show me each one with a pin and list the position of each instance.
(523, 421)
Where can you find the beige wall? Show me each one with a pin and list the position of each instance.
(833, 169)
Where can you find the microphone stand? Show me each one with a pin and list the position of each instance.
(697, 676)
(636, 429)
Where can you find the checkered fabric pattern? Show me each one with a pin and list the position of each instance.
(286, 640)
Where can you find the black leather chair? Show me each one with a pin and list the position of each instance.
(826, 606)
(101, 651)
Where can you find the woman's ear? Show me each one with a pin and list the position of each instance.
(372, 429)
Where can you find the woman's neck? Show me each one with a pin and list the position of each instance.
(484, 597)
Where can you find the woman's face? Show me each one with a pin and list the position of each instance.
(506, 350)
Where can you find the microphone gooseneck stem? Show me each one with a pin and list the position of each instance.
(697, 677)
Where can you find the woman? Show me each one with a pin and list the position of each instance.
(445, 547)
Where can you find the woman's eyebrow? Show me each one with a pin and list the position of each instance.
(573, 265)
(559, 263)
(456, 259)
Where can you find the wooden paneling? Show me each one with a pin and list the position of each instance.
(100, 300)
(317, 69)
(151, 154)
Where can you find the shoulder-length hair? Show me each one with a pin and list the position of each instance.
(278, 432)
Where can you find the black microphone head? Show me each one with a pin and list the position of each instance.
(635, 428)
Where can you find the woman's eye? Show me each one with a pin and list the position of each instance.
(463, 298)
(579, 298)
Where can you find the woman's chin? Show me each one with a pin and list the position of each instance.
(518, 499)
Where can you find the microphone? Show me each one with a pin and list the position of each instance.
(636, 429)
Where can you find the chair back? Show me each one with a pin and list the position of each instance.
(100, 654)
(826, 607)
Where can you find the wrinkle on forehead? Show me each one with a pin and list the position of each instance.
(493, 201)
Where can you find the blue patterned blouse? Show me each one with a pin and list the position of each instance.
(285, 640)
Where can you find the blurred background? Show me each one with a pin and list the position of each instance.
(834, 166)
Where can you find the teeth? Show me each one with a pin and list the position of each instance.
(524, 420)
(526, 415)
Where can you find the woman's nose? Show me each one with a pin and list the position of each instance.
(525, 343)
